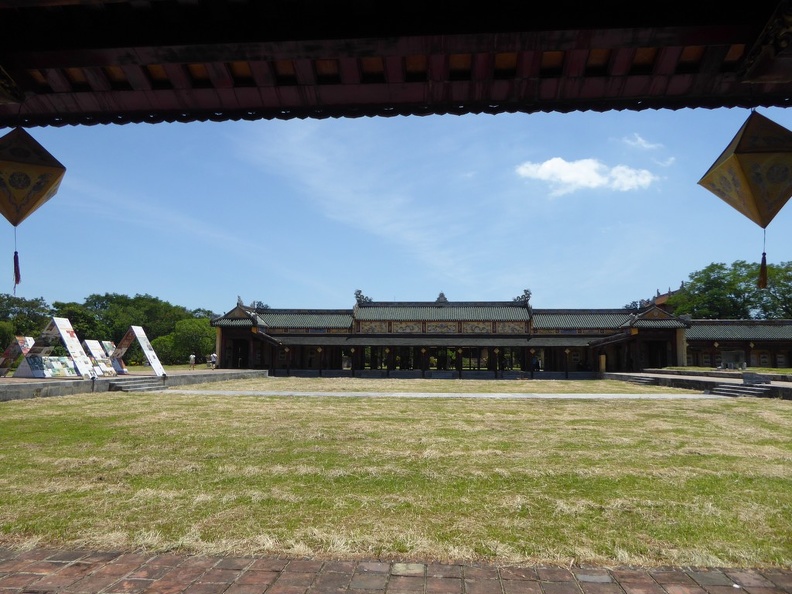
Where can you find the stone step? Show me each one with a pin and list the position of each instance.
(740, 390)
(137, 384)
(643, 381)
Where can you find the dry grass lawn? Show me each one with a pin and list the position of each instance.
(435, 386)
(704, 482)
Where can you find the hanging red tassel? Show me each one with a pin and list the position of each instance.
(762, 282)
(17, 276)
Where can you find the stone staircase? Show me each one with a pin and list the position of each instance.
(643, 380)
(755, 391)
(137, 384)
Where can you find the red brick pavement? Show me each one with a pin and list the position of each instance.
(44, 571)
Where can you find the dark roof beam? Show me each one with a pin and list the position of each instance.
(394, 69)
(622, 61)
(262, 73)
(219, 75)
(137, 77)
(304, 72)
(482, 66)
(349, 71)
(57, 80)
(667, 60)
(575, 63)
(710, 68)
(97, 79)
(178, 76)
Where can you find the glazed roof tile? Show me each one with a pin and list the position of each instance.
(580, 318)
(664, 324)
(233, 322)
(740, 330)
(445, 312)
(329, 318)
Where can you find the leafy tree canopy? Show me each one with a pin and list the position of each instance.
(776, 300)
(119, 312)
(26, 316)
(194, 336)
(86, 323)
(100, 317)
(730, 292)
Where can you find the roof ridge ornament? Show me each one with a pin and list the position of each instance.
(361, 298)
(524, 299)
(441, 298)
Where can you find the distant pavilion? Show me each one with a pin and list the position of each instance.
(489, 339)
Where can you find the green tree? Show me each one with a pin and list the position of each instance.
(7, 335)
(119, 312)
(27, 316)
(84, 321)
(194, 336)
(721, 291)
(116, 312)
(203, 313)
(164, 347)
(775, 302)
(159, 317)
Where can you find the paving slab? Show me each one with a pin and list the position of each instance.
(47, 571)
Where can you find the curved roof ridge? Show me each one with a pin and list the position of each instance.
(581, 310)
(743, 321)
(441, 304)
(317, 310)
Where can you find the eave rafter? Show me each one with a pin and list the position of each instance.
(74, 62)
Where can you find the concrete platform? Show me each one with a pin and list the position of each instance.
(12, 388)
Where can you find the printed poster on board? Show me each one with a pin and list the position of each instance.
(109, 348)
(38, 363)
(136, 332)
(81, 361)
(15, 351)
(99, 358)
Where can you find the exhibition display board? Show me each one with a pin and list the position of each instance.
(39, 363)
(88, 359)
(99, 358)
(14, 352)
(137, 333)
(118, 364)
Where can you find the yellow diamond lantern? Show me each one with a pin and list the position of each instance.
(29, 175)
(754, 174)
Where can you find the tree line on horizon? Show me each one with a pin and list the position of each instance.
(718, 291)
(731, 292)
(174, 331)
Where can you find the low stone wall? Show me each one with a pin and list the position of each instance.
(704, 382)
(719, 373)
(18, 389)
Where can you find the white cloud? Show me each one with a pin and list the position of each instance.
(566, 177)
(639, 142)
(625, 178)
(667, 162)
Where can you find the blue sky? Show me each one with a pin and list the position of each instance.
(584, 209)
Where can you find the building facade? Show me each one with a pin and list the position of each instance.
(491, 339)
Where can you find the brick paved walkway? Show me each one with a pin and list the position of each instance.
(83, 572)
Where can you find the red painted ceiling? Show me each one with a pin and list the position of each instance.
(83, 62)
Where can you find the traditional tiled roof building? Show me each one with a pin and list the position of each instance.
(445, 338)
